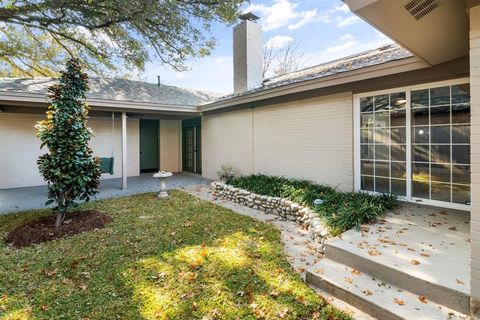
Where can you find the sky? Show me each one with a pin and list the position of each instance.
(324, 30)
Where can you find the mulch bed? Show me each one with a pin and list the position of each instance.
(43, 229)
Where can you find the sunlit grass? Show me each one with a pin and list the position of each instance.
(182, 258)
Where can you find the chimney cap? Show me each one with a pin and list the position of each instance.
(248, 16)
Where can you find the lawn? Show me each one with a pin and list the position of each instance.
(181, 258)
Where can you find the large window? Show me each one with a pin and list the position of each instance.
(416, 143)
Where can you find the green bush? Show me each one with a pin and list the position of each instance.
(340, 210)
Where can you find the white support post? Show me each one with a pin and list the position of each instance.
(124, 150)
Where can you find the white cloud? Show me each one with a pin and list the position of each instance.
(347, 37)
(342, 21)
(284, 13)
(278, 42)
(342, 8)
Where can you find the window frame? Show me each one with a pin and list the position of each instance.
(357, 140)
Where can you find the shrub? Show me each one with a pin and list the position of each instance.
(340, 210)
(226, 172)
(69, 166)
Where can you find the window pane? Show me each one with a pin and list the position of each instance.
(461, 194)
(397, 118)
(440, 115)
(382, 102)
(461, 174)
(399, 187)
(440, 153)
(440, 96)
(398, 152)
(461, 154)
(367, 167)
(440, 191)
(398, 100)
(398, 135)
(420, 98)
(382, 119)
(461, 113)
(382, 168)
(399, 170)
(420, 189)
(440, 172)
(367, 183)
(420, 172)
(420, 134)
(367, 151)
(382, 185)
(366, 120)
(440, 134)
(382, 135)
(366, 104)
(421, 153)
(460, 134)
(382, 152)
(419, 116)
(461, 93)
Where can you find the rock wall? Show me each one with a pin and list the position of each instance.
(284, 208)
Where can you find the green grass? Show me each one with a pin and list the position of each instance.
(182, 258)
(340, 210)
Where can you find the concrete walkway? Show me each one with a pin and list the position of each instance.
(28, 198)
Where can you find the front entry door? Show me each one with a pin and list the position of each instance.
(149, 157)
(192, 148)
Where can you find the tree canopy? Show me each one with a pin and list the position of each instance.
(38, 36)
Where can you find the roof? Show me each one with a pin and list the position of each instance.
(362, 60)
(117, 90)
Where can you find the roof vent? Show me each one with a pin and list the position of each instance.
(420, 8)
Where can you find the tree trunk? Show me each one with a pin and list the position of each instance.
(59, 220)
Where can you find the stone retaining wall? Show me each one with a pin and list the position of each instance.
(281, 207)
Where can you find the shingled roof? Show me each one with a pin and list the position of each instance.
(117, 90)
(365, 59)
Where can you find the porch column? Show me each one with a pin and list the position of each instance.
(474, 12)
(124, 150)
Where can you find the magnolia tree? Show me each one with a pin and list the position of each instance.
(69, 167)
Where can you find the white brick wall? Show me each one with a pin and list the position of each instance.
(475, 157)
(311, 139)
(20, 148)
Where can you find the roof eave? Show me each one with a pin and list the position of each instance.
(384, 69)
(113, 104)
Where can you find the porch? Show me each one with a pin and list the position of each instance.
(414, 264)
(27, 198)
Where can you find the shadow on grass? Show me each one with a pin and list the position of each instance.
(177, 259)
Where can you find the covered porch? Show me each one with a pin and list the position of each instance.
(28, 198)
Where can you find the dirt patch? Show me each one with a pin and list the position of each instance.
(43, 229)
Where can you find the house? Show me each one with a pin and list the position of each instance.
(400, 119)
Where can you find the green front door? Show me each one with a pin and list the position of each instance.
(149, 155)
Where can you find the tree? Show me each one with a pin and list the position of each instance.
(280, 61)
(106, 34)
(69, 166)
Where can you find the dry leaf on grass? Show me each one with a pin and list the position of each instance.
(399, 302)
(274, 294)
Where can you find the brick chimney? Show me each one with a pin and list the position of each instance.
(247, 54)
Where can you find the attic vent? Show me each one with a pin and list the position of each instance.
(420, 8)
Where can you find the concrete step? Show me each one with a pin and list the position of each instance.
(373, 296)
(394, 273)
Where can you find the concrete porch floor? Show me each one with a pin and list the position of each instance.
(415, 251)
(28, 198)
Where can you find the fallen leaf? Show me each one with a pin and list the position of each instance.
(83, 286)
(320, 270)
(415, 262)
(348, 280)
(356, 272)
(399, 302)
(367, 292)
(426, 255)
(274, 294)
(422, 299)
(460, 282)
(374, 252)
(453, 228)
(282, 313)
